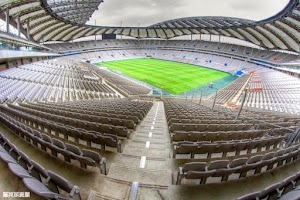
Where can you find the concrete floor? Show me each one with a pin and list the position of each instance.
(146, 159)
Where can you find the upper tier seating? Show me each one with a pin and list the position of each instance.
(51, 81)
(222, 48)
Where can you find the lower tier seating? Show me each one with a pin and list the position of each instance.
(288, 189)
(56, 147)
(224, 148)
(68, 132)
(44, 183)
(241, 166)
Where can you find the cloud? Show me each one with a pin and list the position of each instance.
(132, 12)
(148, 12)
(258, 9)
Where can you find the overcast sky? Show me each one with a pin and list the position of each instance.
(148, 12)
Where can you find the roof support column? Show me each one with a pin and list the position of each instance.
(121, 30)
(138, 32)
(200, 37)
(210, 37)
(28, 29)
(7, 20)
(19, 26)
(299, 51)
(95, 32)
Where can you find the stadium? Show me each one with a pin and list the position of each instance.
(189, 107)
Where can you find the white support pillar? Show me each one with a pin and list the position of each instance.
(299, 50)
(121, 30)
(213, 106)
(7, 20)
(19, 26)
(200, 98)
(138, 31)
(95, 32)
(28, 29)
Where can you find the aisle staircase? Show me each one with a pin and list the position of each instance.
(143, 170)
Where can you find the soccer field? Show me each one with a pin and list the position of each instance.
(173, 77)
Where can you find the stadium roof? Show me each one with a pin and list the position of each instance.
(64, 20)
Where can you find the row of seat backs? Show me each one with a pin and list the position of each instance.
(53, 181)
(135, 112)
(189, 170)
(89, 136)
(92, 126)
(223, 146)
(275, 191)
(69, 151)
(195, 136)
(84, 111)
(105, 120)
(209, 127)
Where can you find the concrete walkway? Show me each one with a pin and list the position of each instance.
(142, 172)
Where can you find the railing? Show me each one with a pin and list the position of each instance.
(11, 34)
(26, 43)
(15, 53)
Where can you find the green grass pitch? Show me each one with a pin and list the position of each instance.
(173, 77)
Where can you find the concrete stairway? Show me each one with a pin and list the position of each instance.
(142, 172)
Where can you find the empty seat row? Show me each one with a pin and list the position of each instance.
(55, 146)
(240, 166)
(91, 126)
(204, 121)
(46, 184)
(224, 147)
(288, 189)
(66, 131)
(209, 127)
(195, 136)
(80, 110)
(92, 118)
(130, 108)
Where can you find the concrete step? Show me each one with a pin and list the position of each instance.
(152, 193)
(145, 138)
(155, 118)
(155, 124)
(145, 176)
(147, 144)
(149, 163)
(153, 153)
(111, 189)
(152, 133)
